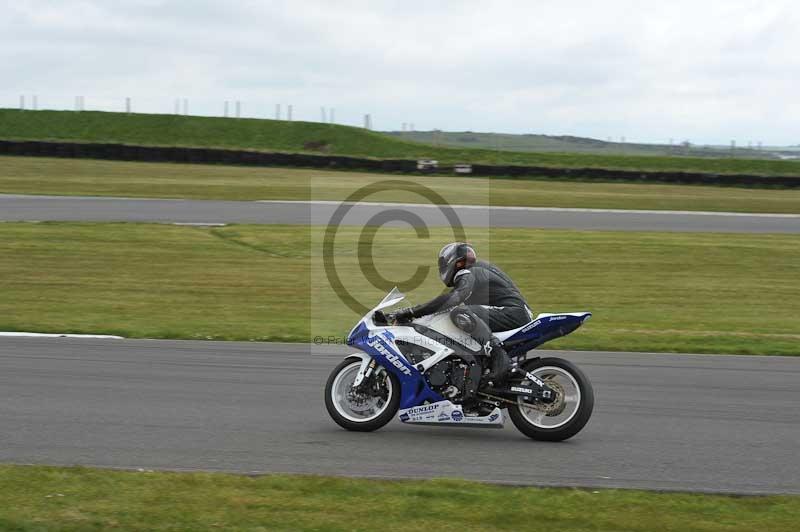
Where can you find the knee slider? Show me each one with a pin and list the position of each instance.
(463, 319)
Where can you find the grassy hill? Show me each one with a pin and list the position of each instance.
(572, 144)
(275, 135)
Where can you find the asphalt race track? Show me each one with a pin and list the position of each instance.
(675, 422)
(102, 209)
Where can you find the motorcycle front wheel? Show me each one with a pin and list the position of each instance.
(362, 411)
(567, 414)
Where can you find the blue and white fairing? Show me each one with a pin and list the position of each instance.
(378, 341)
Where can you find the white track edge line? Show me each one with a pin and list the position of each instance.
(57, 335)
(538, 209)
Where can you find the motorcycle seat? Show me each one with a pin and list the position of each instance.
(505, 335)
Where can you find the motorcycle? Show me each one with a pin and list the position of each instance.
(429, 372)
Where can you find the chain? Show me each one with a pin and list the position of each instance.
(496, 398)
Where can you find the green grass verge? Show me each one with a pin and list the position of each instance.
(34, 175)
(682, 292)
(57, 498)
(275, 135)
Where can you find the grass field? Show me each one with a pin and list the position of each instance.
(648, 291)
(275, 135)
(34, 175)
(51, 498)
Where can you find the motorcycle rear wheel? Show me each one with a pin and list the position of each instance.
(360, 412)
(567, 415)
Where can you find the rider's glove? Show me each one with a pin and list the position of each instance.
(403, 315)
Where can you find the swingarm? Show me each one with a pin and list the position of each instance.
(536, 391)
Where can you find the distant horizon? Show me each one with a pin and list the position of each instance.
(676, 142)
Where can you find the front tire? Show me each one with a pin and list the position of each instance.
(361, 412)
(568, 414)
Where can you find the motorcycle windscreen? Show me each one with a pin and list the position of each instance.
(394, 297)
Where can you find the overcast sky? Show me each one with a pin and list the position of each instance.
(707, 71)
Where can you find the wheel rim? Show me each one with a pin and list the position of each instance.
(358, 407)
(563, 409)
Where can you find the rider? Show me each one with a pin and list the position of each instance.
(492, 302)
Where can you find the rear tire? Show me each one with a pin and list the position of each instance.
(573, 384)
(341, 409)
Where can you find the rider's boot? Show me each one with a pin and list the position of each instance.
(500, 362)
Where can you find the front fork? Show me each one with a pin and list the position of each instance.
(369, 368)
(366, 369)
